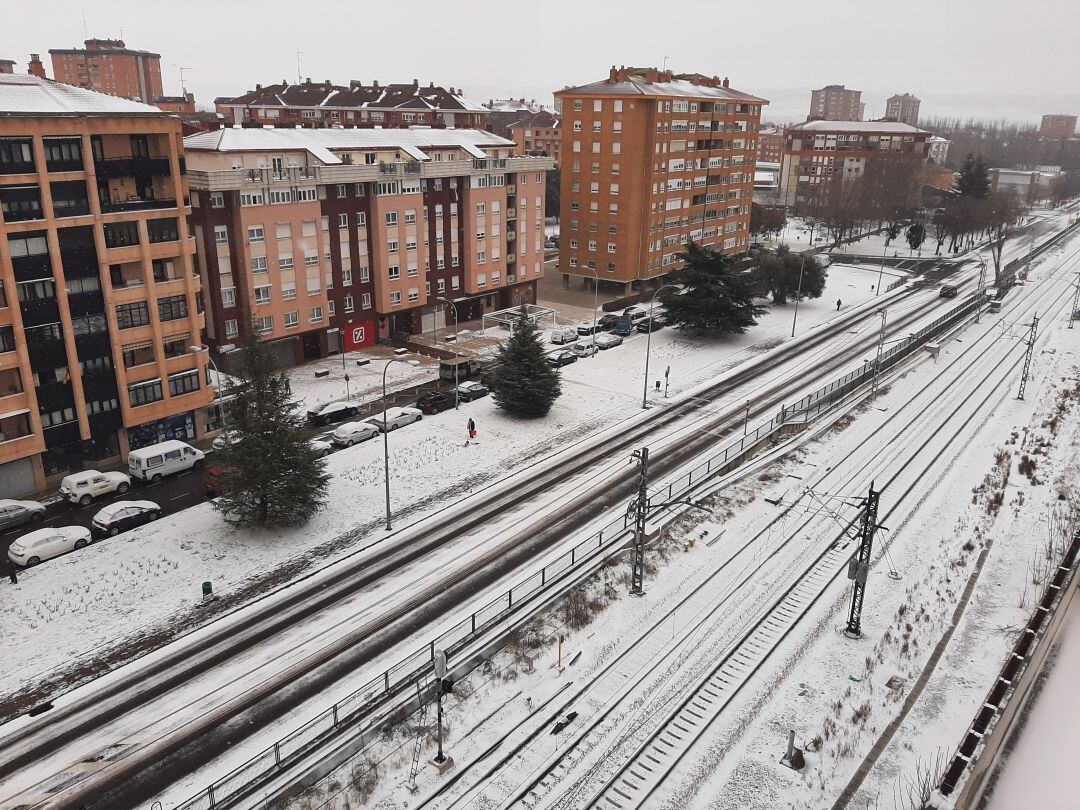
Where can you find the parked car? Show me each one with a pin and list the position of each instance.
(468, 391)
(434, 402)
(350, 433)
(43, 544)
(948, 291)
(607, 341)
(563, 358)
(333, 412)
(212, 478)
(393, 418)
(321, 447)
(123, 515)
(16, 513)
(226, 439)
(635, 313)
(603, 324)
(564, 334)
(164, 458)
(623, 327)
(650, 324)
(585, 349)
(83, 487)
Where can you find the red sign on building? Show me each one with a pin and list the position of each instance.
(359, 335)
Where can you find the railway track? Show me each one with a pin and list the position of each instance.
(653, 761)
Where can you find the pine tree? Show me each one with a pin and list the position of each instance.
(973, 179)
(270, 475)
(718, 298)
(778, 275)
(916, 235)
(524, 383)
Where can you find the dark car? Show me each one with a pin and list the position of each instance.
(948, 291)
(650, 325)
(123, 515)
(468, 391)
(333, 412)
(606, 322)
(434, 402)
(623, 327)
(562, 358)
(635, 313)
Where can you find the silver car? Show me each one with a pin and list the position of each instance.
(394, 418)
(43, 544)
(16, 513)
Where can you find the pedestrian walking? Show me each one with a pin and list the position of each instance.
(13, 573)
(838, 304)
(472, 428)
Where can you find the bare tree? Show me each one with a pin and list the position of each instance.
(914, 791)
(1001, 212)
(836, 206)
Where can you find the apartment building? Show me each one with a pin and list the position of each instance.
(109, 66)
(537, 134)
(1058, 126)
(100, 303)
(770, 145)
(903, 107)
(7, 66)
(331, 238)
(324, 104)
(817, 151)
(649, 161)
(834, 102)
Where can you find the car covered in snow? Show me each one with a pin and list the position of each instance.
(17, 513)
(123, 515)
(83, 487)
(563, 358)
(564, 334)
(607, 341)
(333, 412)
(44, 544)
(351, 433)
(584, 349)
(393, 418)
(468, 391)
(321, 447)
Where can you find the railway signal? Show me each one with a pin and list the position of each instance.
(859, 565)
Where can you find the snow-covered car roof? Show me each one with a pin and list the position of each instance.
(349, 427)
(107, 512)
(30, 538)
(12, 502)
(468, 384)
(330, 407)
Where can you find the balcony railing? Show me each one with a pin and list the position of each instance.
(511, 190)
(511, 258)
(137, 204)
(511, 213)
(113, 168)
(511, 235)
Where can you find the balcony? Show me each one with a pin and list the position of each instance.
(511, 190)
(20, 203)
(511, 235)
(114, 168)
(511, 214)
(137, 204)
(15, 425)
(121, 234)
(10, 385)
(511, 258)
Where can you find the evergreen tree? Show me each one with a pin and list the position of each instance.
(916, 234)
(551, 192)
(973, 179)
(765, 221)
(718, 298)
(778, 275)
(524, 383)
(270, 475)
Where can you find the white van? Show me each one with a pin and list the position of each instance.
(165, 458)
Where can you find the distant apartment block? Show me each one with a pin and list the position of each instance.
(651, 160)
(100, 301)
(538, 134)
(817, 151)
(109, 66)
(1058, 126)
(331, 238)
(324, 104)
(834, 102)
(937, 149)
(903, 108)
(7, 66)
(770, 145)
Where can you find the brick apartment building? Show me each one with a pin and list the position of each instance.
(109, 66)
(503, 113)
(770, 145)
(538, 134)
(100, 303)
(834, 102)
(816, 151)
(339, 236)
(1058, 126)
(7, 66)
(903, 107)
(324, 104)
(651, 160)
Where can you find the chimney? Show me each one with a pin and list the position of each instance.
(375, 84)
(258, 87)
(307, 80)
(36, 68)
(327, 83)
(431, 85)
(726, 81)
(613, 75)
(415, 82)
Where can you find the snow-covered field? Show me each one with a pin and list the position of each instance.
(70, 611)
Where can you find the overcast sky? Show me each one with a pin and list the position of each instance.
(988, 58)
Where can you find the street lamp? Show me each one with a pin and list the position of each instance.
(386, 433)
(457, 396)
(217, 388)
(648, 342)
(595, 293)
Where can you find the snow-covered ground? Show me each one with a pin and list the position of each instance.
(934, 541)
(72, 610)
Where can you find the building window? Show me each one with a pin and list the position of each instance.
(258, 264)
(392, 246)
(217, 199)
(228, 296)
(264, 324)
(393, 272)
(410, 217)
(221, 234)
(414, 294)
(391, 217)
(395, 298)
(173, 308)
(262, 294)
(183, 383)
(481, 280)
(610, 247)
(341, 191)
(255, 233)
(481, 256)
(144, 393)
(316, 315)
(285, 262)
(348, 303)
(365, 300)
(577, 104)
(129, 316)
(232, 328)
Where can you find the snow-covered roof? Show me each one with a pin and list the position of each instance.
(355, 95)
(319, 142)
(680, 86)
(33, 96)
(887, 127)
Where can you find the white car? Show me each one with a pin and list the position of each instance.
(352, 432)
(16, 513)
(584, 349)
(607, 340)
(564, 334)
(321, 447)
(393, 418)
(43, 544)
(226, 439)
(83, 487)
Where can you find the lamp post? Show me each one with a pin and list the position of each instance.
(386, 434)
(648, 343)
(595, 299)
(798, 295)
(217, 388)
(454, 308)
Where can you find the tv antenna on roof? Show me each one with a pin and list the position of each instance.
(665, 62)
(298, 79)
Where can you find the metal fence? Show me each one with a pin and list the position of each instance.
(418, 665)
